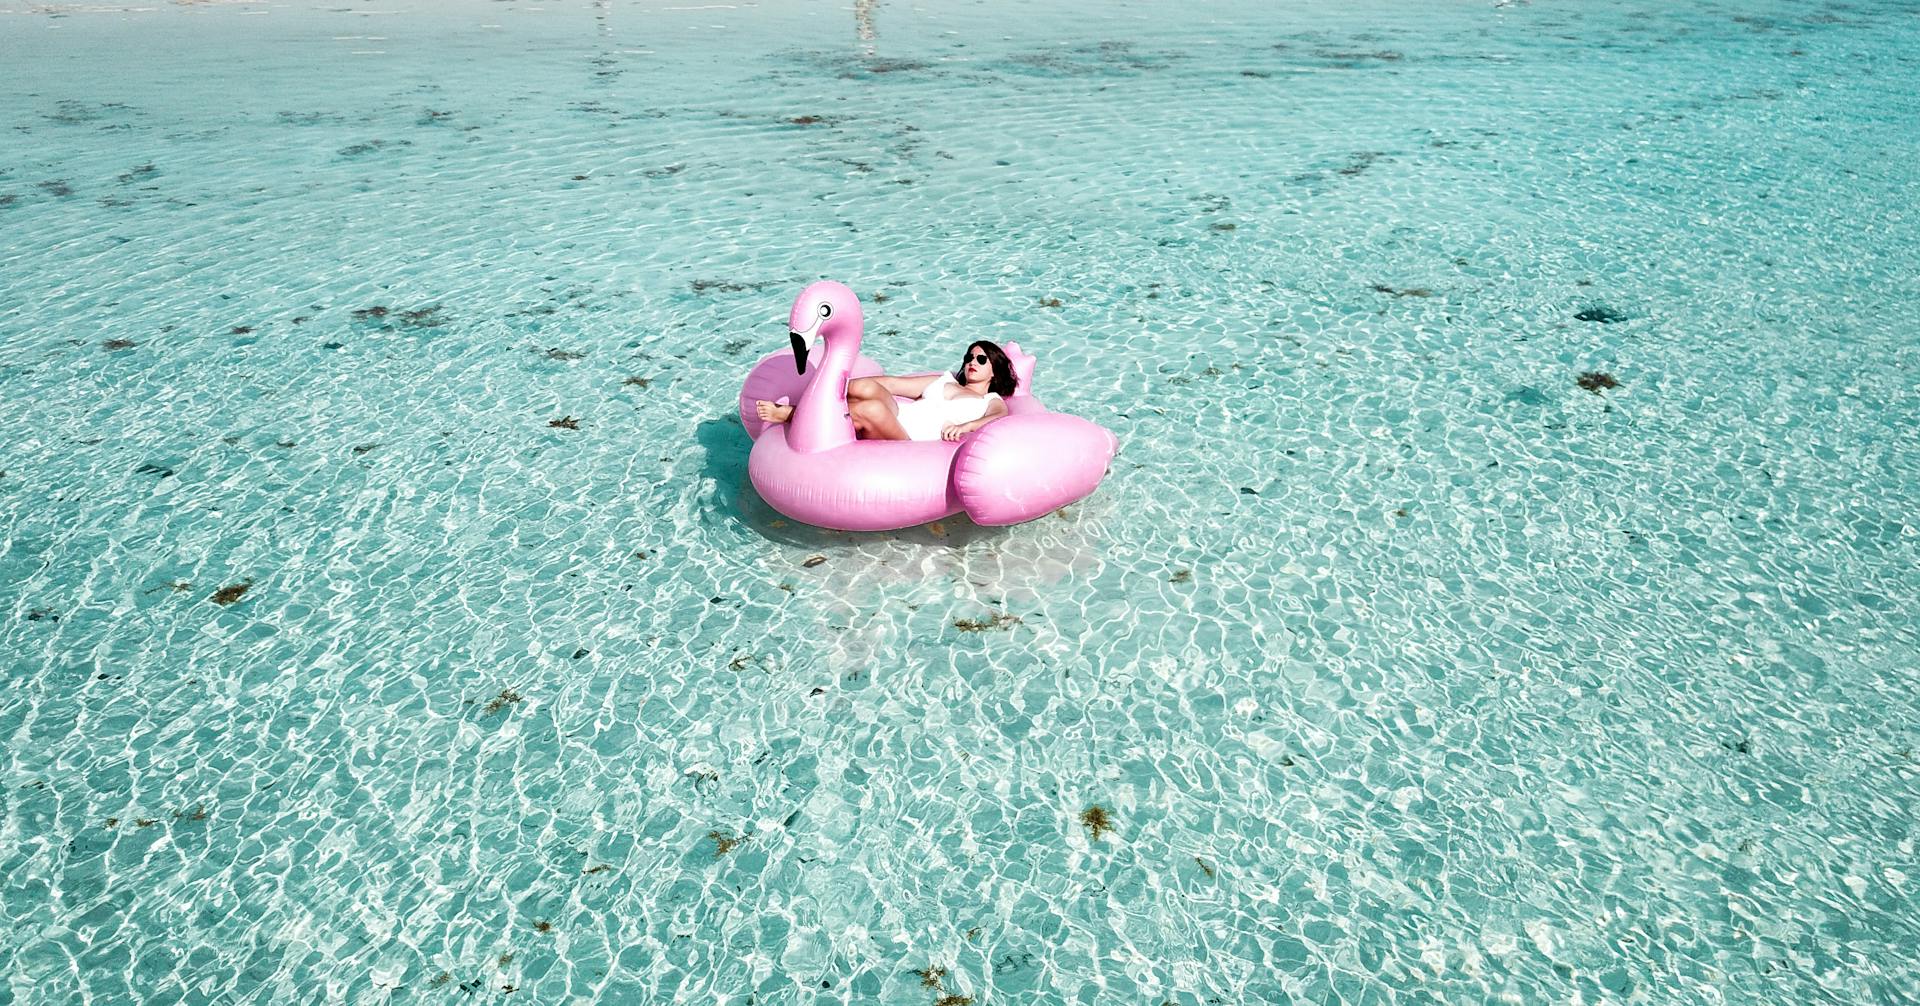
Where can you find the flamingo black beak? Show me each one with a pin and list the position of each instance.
(799, 351)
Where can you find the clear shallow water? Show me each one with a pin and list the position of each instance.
(1406, 668)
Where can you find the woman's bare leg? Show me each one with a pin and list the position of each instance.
(877, 419)
(887, 387)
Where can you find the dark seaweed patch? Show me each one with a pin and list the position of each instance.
(116, 345)
(728, 286)
(138, 173)
(1107, 58)
(76, 113)
(564, 423)
(1352, 58)
(507, 697)
(152, 469)
(369, 146)
(1597, 381)
(230, 593)
(997, 620)
(1359, 161)
(563, 355)
(1600, 313)
(370, 313)
(56, 187)
(426, 317)
(1097, 820)
(1012, 960)
(1415, 291)
(305, 118)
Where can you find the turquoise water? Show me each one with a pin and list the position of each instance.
(1406, 657)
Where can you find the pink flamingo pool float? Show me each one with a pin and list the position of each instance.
(811, 468)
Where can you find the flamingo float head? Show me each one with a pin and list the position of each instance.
(823, 310)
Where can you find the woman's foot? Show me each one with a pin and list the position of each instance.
(771, 413)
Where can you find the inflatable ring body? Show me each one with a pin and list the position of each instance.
(811, 468)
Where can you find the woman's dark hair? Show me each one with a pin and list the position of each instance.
(1003, 381)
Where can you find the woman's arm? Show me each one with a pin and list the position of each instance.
(995, 409)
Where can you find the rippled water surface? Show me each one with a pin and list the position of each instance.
(1505, 591)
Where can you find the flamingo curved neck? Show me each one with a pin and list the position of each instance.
(820, 421)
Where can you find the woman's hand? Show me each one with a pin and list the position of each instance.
(957, 430)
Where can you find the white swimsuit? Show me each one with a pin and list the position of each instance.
(923, 418)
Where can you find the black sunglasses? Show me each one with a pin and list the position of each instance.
(977, 358)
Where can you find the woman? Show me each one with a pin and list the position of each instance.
(940, 406)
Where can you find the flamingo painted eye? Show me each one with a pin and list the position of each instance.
(826, 310)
